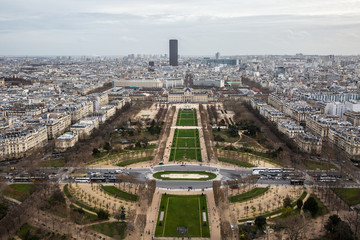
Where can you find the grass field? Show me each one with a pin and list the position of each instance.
(210, 175)
(19, 191)
(120, 194)
(236, 162)
(349, 195)
(115, 230)
(186, 145)
(133, 161)
(186, 117)
(60, 162)
(186, 142)
(183, 133)
(248, 195)
(183, 210)
(313, 165)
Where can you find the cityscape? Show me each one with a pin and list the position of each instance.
(201, 141)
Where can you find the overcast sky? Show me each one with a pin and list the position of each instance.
(232, 27)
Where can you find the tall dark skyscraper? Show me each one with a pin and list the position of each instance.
(173, 52)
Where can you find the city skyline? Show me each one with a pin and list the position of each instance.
(203, 28)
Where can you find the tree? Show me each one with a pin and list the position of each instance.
(299, 204)
(102, 214)
(120, 214)
(342, 232)
(295, 226)
(287, 202)
(338, 229)
(107, 146)
(312, 206)
(95, 151)
(332, 222)
(260, 222)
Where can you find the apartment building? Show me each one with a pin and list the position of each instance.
(308, 142)
(82, 130)
(320, 124)
(289, 127)
(57, 124)
(65, 141)
(352, 117)
(346, 138)
(16, 143)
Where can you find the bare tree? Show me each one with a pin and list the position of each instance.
(295, 226)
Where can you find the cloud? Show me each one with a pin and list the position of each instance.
(202, 26)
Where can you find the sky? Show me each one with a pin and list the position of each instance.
(231, 27)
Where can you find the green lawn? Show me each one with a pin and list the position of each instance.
(112, 190)
(186, 118)
(186, 122)
(180, 133)
(236, 162)
(189, 154)
(210, 175)
(185, 146)
(60, 162)
(319, 165)
(112, 229)
(186, 142)
(132, 161)
(349, 195)
(248, 195)
(19, 191)
(183, 210)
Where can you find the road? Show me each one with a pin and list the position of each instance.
(143, 174)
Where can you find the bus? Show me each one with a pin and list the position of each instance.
(82, 179)
(275, 170)
(21, 179)
(256, 171)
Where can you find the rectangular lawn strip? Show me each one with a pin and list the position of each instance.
(187, 122)
(182, 210)
(186, 154)
(186, 133)
(185, 142)
(349, 195)
(112, 190)
(112, 229)
(248, 195)
(19, 191)
(236, 162)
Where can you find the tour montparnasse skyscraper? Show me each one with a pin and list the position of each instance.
(173, 52)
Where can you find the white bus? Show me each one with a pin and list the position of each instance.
(82, 179)
(275, 170)
(256, 171)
